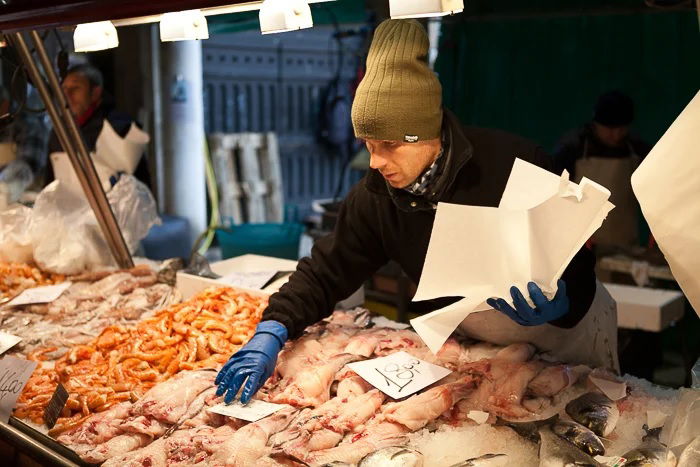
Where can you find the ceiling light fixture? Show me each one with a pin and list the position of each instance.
(210, 11)
(401, 9)
(284, 15)
(90, 37)
(183, 26)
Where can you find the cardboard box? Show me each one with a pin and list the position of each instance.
(646, 309)
(190, 285)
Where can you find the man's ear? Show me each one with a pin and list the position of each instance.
(96, 94)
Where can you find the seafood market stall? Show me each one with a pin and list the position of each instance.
(116, 369)
(140, 391)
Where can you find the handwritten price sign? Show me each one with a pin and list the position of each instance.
(14, 373)
(400, 374)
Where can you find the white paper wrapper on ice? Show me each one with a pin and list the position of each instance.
(15, 241)
(66, 236)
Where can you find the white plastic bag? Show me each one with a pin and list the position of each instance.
(66, 236)
(684, 424)
(15, 241)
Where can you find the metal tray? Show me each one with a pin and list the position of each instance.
(38, 445)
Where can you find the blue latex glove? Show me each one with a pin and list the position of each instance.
(255, 361)
(545, 310)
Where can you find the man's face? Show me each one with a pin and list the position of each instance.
(611, 136)
(401, 163)
(80, 93)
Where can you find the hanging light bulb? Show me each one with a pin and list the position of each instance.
(401, 9)
(183, 26)
(284, 15)
(90, 37)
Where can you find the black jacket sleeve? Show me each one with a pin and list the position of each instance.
(338, 265)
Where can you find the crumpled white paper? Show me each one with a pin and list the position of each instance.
(113, 155)
(480, 252)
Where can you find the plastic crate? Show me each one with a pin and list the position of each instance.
(277, 240)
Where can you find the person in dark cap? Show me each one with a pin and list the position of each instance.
(605, 151)
(421, 155)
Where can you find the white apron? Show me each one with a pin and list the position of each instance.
(621, 226)
(593, 341)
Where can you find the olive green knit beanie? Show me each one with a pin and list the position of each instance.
(399, 98)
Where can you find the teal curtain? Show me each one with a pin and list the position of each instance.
(539, 76)
(345, 11)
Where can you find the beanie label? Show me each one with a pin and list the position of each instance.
(410, 138)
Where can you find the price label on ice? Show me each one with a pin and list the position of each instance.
(14, 374)
(7, 341)
(46, 294)
(252, 412)
(400, 374)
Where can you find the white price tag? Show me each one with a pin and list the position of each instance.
(249, 280)
(400, 374)
(478, 416)
(14, 373)
(656, 419)
(614, 390)
(46, 294)
(384, 322)
(252, 412)
(612, 461)
(7, 341)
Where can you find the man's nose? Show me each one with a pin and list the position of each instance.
(376, 161)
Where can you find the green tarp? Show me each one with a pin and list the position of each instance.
(539, 77)
(345, 11)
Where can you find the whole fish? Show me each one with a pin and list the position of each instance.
(555, 452)
(651, 453)
(393, 456)
(579, 436)
(595, 411)
(528, 430)
(484, 460)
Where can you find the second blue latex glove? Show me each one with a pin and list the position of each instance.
(253, 364)
(545, 310)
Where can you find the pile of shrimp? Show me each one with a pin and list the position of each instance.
(123, 363)
(17, 277)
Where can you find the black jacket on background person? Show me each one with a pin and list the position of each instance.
(91, 129)
(377, 223)
(570, 149)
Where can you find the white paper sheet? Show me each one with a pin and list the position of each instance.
(481, 252)
(400, 374)
(14, 374)
(252, 411)
(250, 280)
(44, 294)
(668, 189)
(7, 341)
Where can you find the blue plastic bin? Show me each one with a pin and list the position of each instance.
(277, 240)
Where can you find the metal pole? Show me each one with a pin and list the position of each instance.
(80, 159)
(107, 221)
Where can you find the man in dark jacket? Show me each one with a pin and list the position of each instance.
(420, 155)
(91, 106)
